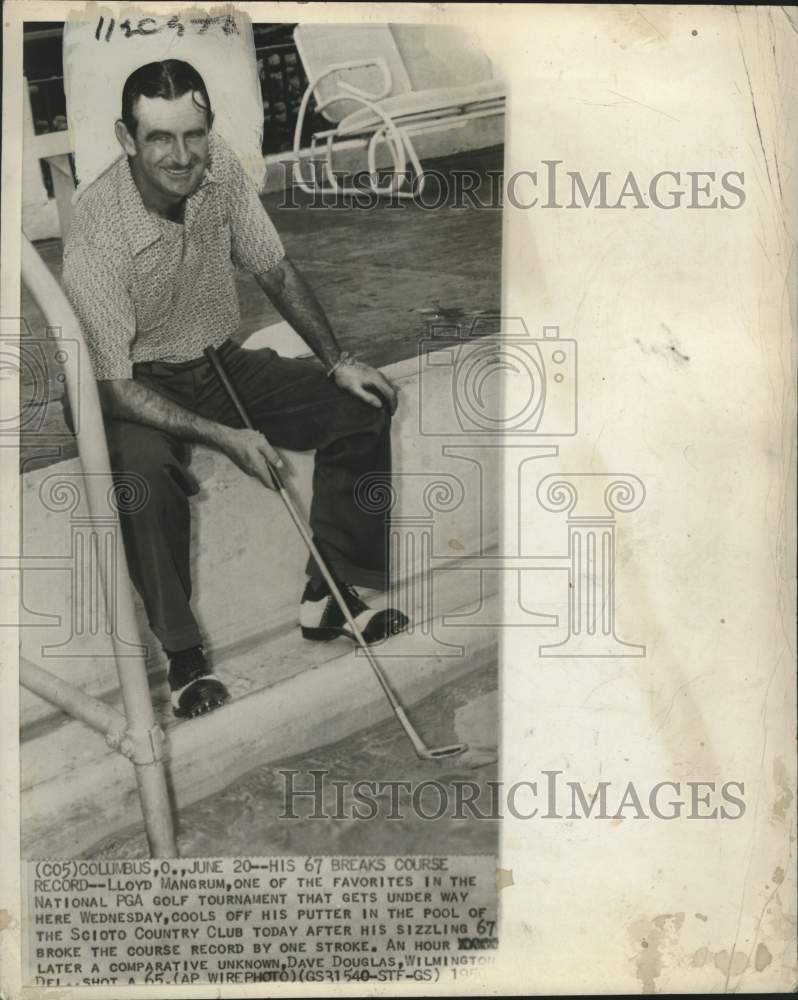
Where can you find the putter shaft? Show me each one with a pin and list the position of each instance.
(418, 744)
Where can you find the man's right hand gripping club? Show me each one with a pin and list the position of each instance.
(252, 453)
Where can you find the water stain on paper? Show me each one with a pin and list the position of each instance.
(721, 960)
(700, 957)
(731, 963)
(633, 27)
(762, 957)
(652, 936)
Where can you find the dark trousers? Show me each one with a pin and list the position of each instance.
(297, 407)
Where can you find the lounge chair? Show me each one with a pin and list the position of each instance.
(382, 84)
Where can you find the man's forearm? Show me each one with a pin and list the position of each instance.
(292, 296)
(125, 399)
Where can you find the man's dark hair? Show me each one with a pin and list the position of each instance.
(169, 79)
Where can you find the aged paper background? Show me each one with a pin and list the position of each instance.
(685, 324)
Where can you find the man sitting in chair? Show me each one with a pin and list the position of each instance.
(149, 269)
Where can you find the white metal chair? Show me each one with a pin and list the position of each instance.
(394, 82)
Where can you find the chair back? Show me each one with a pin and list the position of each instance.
(323, 45)
(440, 55)
(418, 57)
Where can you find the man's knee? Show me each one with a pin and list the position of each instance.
(351, 417)
(374, 419)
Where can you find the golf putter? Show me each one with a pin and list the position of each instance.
(423, 751)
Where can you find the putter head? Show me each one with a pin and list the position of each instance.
(440, 753)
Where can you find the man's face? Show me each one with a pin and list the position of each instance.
(170, 147)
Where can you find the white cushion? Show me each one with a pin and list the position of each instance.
(324, 45)
(443, 99)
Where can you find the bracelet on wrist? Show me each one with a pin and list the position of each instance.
(345, 359)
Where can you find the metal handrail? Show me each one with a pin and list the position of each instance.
(74, 701)
(143, 740)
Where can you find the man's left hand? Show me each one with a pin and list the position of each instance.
(367, 383)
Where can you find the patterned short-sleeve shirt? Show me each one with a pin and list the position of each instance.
(146, 289)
